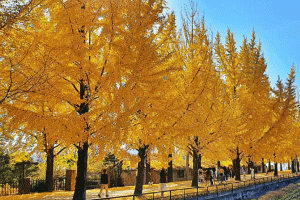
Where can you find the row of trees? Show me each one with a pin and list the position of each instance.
(112, 76)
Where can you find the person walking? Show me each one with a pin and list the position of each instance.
(207, 177)
(104, 183)
(211, 176)
(267, 170)
(244, 172)
(162, 181)
(252, 173)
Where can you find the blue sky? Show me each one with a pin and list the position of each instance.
(276, 24)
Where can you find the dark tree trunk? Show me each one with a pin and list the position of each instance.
(233, 167)
(80, 187)
(255, 168)
(249, 165)
(219, 164)
(195, 168)
(276, 170)
(140, 176)
(293, 166)
(281, 166)
(199, 161)
(263, 166)
(148, 175)
(195, 162)
(237, 165)
(49, 169)
(269, 170)
(289, 165)
(170, 170)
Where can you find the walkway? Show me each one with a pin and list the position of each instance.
(119, 191)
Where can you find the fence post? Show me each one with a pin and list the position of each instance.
(207, 190)
(217, 191)
(244, 185)
(170, 194)
(197, 193)
(232, 187)
(183, 193)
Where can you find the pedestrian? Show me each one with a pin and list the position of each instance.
(226, 173)
(244, 172)
(162, 181)
(252, 173)
(207, 176)
(214, 173)
(211, 176)
(104, 183)
(200, 176)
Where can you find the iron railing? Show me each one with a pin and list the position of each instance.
(38, 185)
(12, 188)
(195, 192)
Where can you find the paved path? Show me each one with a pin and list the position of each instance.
(118, 191)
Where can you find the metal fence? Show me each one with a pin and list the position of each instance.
(11, 188)
(195, 192)
(40, 185)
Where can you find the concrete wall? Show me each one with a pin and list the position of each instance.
(251, 192)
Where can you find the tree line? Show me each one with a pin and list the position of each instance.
(113, 76)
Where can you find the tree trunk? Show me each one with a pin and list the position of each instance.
(148, 173)
(276, 170)
(49, 169)
(219, 164)
(195, 168)
(263, 166)
(297, 164)
(140, 176)
(170, 170)
(289, 165)
(238, 165)
(249, 165)
(80, 187)
(187, 165)
(199, 161)
(281, 166)
(293, 166)
(269, 170)
(255, 167)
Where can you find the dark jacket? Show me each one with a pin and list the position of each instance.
(104, 179)
(163, 176)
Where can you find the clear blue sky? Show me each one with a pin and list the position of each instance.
(276, 23)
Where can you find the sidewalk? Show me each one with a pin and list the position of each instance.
(119, 191)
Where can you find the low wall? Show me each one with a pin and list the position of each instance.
(251, 192)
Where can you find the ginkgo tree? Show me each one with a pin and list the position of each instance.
(284, 115)
(104, 61)
(17, 41)
(199, 87)
(248, 90)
